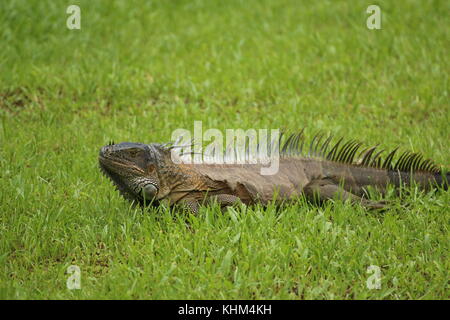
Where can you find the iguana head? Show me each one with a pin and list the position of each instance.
(133, 168)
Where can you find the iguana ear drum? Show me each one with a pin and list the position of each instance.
(149, 191)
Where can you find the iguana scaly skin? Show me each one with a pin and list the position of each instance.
(146, 173)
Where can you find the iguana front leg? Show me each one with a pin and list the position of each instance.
(327, 189)
(190, 205)
(193, 205)
(224, 200)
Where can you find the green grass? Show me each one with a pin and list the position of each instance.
(136, 71)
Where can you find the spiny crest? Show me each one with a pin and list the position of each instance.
(347, 152)
(321, 146)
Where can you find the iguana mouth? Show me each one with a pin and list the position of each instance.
(113, 165)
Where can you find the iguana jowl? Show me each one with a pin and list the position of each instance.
(146, 173)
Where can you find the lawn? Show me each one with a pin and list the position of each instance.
(136, 71)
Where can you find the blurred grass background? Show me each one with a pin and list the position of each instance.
(137, 70)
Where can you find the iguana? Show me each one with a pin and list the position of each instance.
(146, 173)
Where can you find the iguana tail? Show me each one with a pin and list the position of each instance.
(426, 180)
(442, 179)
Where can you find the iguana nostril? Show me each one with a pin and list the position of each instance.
(149, 191)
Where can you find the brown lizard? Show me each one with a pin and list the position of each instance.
(146, 173)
